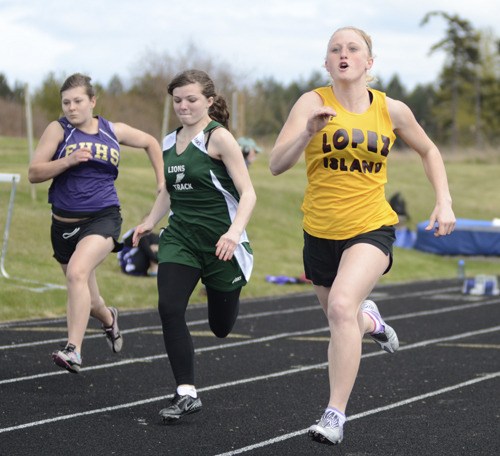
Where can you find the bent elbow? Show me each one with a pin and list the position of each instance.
(254, 199)
(32, 177)
(277, 165)
(275, 170)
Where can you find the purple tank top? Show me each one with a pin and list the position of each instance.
(88, 187)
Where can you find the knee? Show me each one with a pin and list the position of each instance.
(169, 313)
(223, 308)
(76, 276)
(220, 332)
(341, 310)
(221, 327)
(222, 324)
(163, 311)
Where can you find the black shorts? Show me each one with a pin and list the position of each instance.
(65, 236)
(322, 256)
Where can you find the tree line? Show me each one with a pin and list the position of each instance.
(461, 107)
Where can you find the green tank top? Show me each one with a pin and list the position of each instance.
(202, 194)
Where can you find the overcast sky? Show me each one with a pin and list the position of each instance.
(283, 39)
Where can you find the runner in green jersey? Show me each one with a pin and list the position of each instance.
(203, 203)
(209, 199)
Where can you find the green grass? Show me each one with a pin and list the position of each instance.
(275, 229)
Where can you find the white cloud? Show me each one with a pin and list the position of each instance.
(264, 38)
(26, 52)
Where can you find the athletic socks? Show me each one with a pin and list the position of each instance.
(184, 390)
(341, 416)
(377, 321)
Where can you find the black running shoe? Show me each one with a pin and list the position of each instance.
(112, 333)
(180, 406)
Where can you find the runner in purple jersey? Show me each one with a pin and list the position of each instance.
(89, 188)
(81, 154)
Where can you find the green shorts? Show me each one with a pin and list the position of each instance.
(197, 251)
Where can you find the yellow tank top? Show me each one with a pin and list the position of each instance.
(347, 171)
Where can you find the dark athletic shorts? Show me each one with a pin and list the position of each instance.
(198, 251)
(65, 236)
(322, 256)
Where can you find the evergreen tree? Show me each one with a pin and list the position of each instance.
(457, 79)
(48, 98)
(5, 91)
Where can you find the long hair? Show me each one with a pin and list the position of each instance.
(219, 110)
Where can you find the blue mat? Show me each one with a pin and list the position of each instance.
(471, 237)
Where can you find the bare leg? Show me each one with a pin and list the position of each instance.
(360, 269)
(98, 307)
(83, 293)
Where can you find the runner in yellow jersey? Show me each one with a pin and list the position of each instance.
(346, 131)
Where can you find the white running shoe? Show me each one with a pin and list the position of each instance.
(387, 339)
(328, 430)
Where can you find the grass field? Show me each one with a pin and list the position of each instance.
(275, 229)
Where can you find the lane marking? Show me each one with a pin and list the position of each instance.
(164, 355)
(232, 345)
(158, 327)
(480, 346)
(260, 315)
(357, 416)
(312, 339)
(53, 329)
(38, 287)
(211, 334)
(266, 377)
(195, 306)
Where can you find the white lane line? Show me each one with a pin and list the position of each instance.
(382, 295)
(394, 405)
(39, 287)
(240, 382)
(377, 294)
(246, 342)
(472, 305)
(156, 357)
(258, 315)
(158, 327)
(195, 306)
